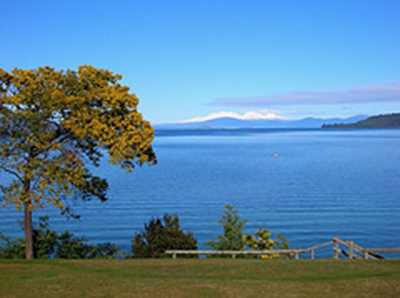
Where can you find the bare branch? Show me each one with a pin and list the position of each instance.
(11, 172)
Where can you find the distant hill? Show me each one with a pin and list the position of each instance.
(381, 121)
(233, 123)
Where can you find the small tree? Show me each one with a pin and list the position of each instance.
(233, 226)
(159, 236)
(233, 238)
(54, 126)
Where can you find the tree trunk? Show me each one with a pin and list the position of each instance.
(28, 222)
(28, 232)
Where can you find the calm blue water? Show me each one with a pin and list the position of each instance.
(323, 184)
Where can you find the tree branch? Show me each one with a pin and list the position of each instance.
(11, 172)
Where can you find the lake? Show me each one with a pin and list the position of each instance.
(310, 185)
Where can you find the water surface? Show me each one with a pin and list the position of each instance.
(324, 183)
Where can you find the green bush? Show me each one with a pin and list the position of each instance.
(159, 236)
(48, 243)
(70, 247)
(11, 248)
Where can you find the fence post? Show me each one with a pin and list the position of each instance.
(296, 256)
(174, 255)
(351, 249)
(312, 254)
(366, 255)
(335, 248)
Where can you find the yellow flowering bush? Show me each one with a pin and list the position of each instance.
(260, 241)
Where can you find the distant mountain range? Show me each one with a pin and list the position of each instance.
(389, 120)
(233, 123)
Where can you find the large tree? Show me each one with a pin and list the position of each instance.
(55, 125)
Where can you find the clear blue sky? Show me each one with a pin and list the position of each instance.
(191, 58)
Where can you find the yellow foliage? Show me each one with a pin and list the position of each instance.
(54, 123)
(262, 242)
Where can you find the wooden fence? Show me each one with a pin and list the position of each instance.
(355, 251)
(351, 251)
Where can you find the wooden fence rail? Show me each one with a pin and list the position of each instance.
(234, 253)
(366, 253)
(353, 251)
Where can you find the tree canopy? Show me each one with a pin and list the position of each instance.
(55, 125)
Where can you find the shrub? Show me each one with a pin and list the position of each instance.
(48, 243)
(160, 235)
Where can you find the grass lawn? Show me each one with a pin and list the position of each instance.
(199, 278)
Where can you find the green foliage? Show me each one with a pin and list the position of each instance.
(380, 121)
(11, 248)
(48, 243)
(44, 242)
(233, 238)
(159, 236)
(233, 231)
(70, 247)
(44, 239)
(281, 242)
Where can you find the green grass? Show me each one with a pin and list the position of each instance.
(199, 278)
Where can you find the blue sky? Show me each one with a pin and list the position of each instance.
(188, 59)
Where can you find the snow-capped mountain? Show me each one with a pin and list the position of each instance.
(234, 122)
